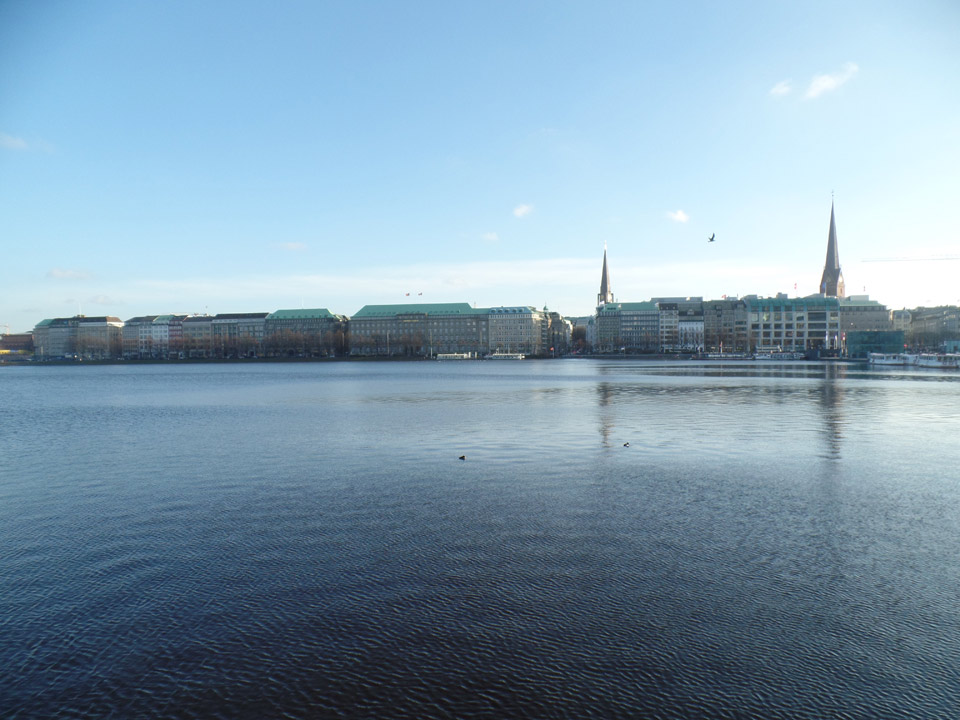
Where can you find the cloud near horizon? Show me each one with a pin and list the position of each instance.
(679, 216)
(491, 237)
(831, 81)
(61, 274)
(522, 210)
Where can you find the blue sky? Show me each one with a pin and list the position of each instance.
(249, 156)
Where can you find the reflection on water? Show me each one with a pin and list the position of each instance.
(831, 403)
(778, 540)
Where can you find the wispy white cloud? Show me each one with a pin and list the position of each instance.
(491, 237)
(679, 216)
(10, 142)
(784, 87)
(102, 300)
(292, 246)
(831, 81)
(61, 274)
(522, 210)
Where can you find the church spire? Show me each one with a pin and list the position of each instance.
(831, 284)
(606, 293)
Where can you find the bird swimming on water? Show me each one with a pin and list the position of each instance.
(626, 444)
(462, 457)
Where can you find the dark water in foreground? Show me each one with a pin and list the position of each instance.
(777, 541)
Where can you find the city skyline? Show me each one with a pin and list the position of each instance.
(181, 158)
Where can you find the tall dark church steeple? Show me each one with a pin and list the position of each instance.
(606, 292)
(831, 284)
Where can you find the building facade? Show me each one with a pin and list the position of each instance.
(782, 324)
(312, 332)
(197, 336)
(79, 337)
(236, 335)
(419, 329)
(516, 329)
(860, 313)
(137, 336)
(725, 326)
(931, 327)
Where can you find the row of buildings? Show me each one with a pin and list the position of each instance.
(749, 324)
(407, 329)
(827, 322)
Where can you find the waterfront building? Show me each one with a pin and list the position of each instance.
(198, 336)
(304, 332)
(669, 313)
(690, 326)
(516, 329)
(628, 327)
(16, 343)
(557, 333)
(607, 328)
(859, 312)
(931, 327)
(137, 336)
(166, 335)
(94, 338)
(55, 338)
(681, 323)
(419, 329)
(725, 325)
(238, 334)
(42, 342)
(782, 324)
(640, 326)
(900, 319)
(622, 326)
(831, 282)
(99, 338)
(860, 343)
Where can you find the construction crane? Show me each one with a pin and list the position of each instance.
(933, 258)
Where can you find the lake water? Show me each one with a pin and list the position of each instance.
(301, 540)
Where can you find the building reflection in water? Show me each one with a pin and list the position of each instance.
(831, 404)
(605, 393)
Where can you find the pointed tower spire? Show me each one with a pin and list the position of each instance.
(831, 284)
(606, 293)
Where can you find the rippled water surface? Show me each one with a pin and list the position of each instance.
(301, 540)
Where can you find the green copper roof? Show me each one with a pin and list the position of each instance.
(44, 323)
(813, 301)
(302, 314)
(377, 311)
(638, 306)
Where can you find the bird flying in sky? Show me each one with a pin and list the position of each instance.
(711, 238)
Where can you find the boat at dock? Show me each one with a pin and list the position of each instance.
(891, 359)
(943, 361)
